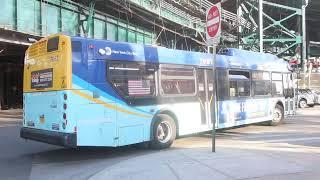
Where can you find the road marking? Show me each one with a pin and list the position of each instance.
(262, 136)
(289, 140)
(229, 134)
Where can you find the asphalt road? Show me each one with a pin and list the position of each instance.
(20, 159)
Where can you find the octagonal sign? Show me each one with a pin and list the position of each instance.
(213, 22)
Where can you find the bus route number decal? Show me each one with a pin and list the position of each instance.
(41, 79)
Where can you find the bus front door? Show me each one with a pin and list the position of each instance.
(206, 96)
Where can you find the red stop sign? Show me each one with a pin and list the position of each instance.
(213, 21)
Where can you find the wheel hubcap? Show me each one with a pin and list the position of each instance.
(303, 104)
(164, 132)
(277, 115)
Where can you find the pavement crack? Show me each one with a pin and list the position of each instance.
(173, 171)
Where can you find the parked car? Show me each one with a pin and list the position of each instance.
(316, 94)
(305, 98)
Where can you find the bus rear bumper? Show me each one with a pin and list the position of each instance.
(50, 137)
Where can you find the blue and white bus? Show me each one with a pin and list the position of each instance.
(86, 92)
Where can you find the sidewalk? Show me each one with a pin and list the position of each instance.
(235, 159)
(11, 113)
(226, 164)
(10, 117)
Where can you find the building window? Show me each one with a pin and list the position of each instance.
(133, 79)
(177, 80)
(239, 83)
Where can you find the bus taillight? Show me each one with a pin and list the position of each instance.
(64, 116)
(65, 106)
(65, 96)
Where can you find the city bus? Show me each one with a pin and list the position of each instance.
(87, 92)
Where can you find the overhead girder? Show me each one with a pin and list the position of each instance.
(279, 33)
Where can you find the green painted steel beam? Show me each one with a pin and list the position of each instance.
(279, 40)
(272, 24)
(282, 6)
(286, 49)
(90, 17)
(278, 23)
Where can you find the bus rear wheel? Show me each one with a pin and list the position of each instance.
(278, 115)
(164, 132)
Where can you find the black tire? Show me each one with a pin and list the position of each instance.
(278, 115)
(168, 130)
(303, 103)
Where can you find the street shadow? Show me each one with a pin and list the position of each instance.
(301, 138)
(92, 153)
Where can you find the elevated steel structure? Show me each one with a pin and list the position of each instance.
(44, 17)
(277, 26)
(171, 23)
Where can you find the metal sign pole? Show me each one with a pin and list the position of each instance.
(213, 33)
(213, 108)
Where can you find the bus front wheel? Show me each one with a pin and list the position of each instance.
(278, 115)
(164, 132)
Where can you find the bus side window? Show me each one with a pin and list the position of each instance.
(261, 83)
(177, 80)
(240, 84)
(285, 81)
(277, 84)
(288, 85)
(133, 80)
(233, 89)
(222, 84)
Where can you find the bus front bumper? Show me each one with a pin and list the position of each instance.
(50, 137)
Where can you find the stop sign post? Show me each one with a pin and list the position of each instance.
(213, 33)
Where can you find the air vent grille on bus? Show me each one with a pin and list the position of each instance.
(38, 49)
